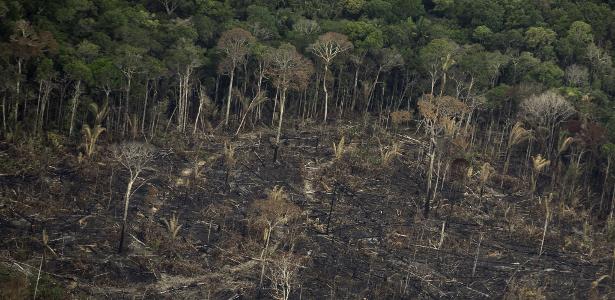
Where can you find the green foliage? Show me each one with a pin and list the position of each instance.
(547, 73)
(364, 35)
(482, 12)
(541, 40)
(438, 54)
(482, 33)
(104, 73)
(78, 70)
(354, 7)
(498, 96)
(44, 70)
(379, 9)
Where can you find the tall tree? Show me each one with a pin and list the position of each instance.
(235, 44)
(289, 70)
(183, 58)
(327, 47)
(24, 44)
(437, 57)
(128, 60)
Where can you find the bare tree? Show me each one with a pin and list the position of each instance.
(577, 75)
(169, 5)
(327, 47)
(276, 210)
(306, 26)
(235, 44)
(440, 114)
(128, 61)
(599, 60)
(283, 272)
(547, 110)
(135, 157)
(289, 70)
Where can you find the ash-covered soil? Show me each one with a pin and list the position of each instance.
(361, 233)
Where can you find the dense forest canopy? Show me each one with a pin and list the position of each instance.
(142, 56)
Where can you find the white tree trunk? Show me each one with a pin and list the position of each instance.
(74, 109)
(324, 87)
(228, 99)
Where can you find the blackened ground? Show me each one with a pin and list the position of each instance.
(364, 232)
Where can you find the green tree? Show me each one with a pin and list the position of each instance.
(436, 58)
(541, 40)
(364, 35)
(79, 72)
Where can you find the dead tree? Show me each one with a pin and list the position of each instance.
(276, 210)
(547, 110)
(283, 272)
(440, 115)
(135, 157)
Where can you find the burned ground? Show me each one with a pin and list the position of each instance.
(361, 232)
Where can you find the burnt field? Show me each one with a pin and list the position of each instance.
(199, 224)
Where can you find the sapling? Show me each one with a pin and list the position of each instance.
(91, 134)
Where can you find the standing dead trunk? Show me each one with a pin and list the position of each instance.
(263, 253)
(124, 219)
(324, 88)
(282, 104)
(4, 113)
(74, 109)
(354, 89)
(372, 89)
(229, 96)
(198, 113)
(38, 102)
(17, 91)
(606, 177)
(429, 178)
(145, 106)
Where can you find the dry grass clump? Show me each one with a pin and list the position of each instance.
(387, 154)
(173, 227)
(338, 149)
(525, 288)
(518, 135)
(538, 165)
(400, 117)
